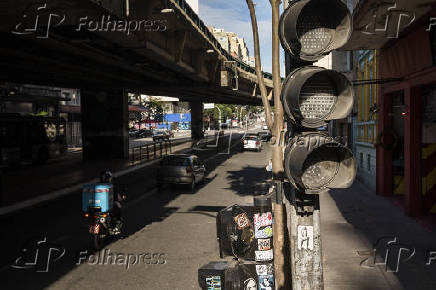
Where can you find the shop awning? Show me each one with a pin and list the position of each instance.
(137, 109)
(377, 22)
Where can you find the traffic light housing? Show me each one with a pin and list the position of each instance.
(315, 162)
(313, 96)
(310, 29)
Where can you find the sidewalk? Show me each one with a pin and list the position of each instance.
(352, 222)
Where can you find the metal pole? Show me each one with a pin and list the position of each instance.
(305, 241)
(148, 156)
(303, 230)
(154, 148)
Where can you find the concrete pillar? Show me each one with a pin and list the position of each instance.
(105, 124)
(197, 120)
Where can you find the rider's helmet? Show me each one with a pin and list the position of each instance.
(106, 177)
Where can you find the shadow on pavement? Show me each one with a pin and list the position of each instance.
(376, 217)
(61, 223)
(249, 181)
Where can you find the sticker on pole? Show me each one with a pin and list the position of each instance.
(262, 220)
(264, 255)
(263, 233)
(267, 269)
(264, 244)
(266, 282)
(305, 237)
(249, 284)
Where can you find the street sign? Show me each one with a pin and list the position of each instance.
(208, 106)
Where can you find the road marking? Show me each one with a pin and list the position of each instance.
(237, 143)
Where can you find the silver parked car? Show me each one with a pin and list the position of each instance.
(180, 169)
(252, 142)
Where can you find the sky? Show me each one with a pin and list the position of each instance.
(233, 16)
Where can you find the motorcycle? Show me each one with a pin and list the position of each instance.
(98, 208)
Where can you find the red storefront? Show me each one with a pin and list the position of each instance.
(406, 105)
(406, 152)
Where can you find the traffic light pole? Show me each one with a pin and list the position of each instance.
(314, 162)
(304, 230)
(303, 213)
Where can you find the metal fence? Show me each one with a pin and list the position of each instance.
(147, 152)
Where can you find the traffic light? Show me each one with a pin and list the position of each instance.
(311, 29)
(312, 96)
(315, 162)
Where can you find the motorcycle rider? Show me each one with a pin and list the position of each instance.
(107, 177)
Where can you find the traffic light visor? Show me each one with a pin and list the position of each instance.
(316, 168)
(311, 96)
(310, 29)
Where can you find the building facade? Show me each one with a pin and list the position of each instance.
(398, 115)
(365, 118)
(233, 44)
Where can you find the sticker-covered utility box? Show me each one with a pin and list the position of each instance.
(97, 197)
(236, 275)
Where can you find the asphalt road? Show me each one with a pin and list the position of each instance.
(176, 224)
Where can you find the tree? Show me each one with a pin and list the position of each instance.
(154, 109)
(276, 126)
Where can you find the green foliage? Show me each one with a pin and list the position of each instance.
(231, 111)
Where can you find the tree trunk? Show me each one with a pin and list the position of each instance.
(258, 67)
(276, 128)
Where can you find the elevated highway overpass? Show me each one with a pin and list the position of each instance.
(107, 48)
(154, 47)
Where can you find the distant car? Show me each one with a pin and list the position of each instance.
(180, 169)
(133, 133)
(265, 135)
(265, 127)
(160, 136)
(144, 133)
(252, 142)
